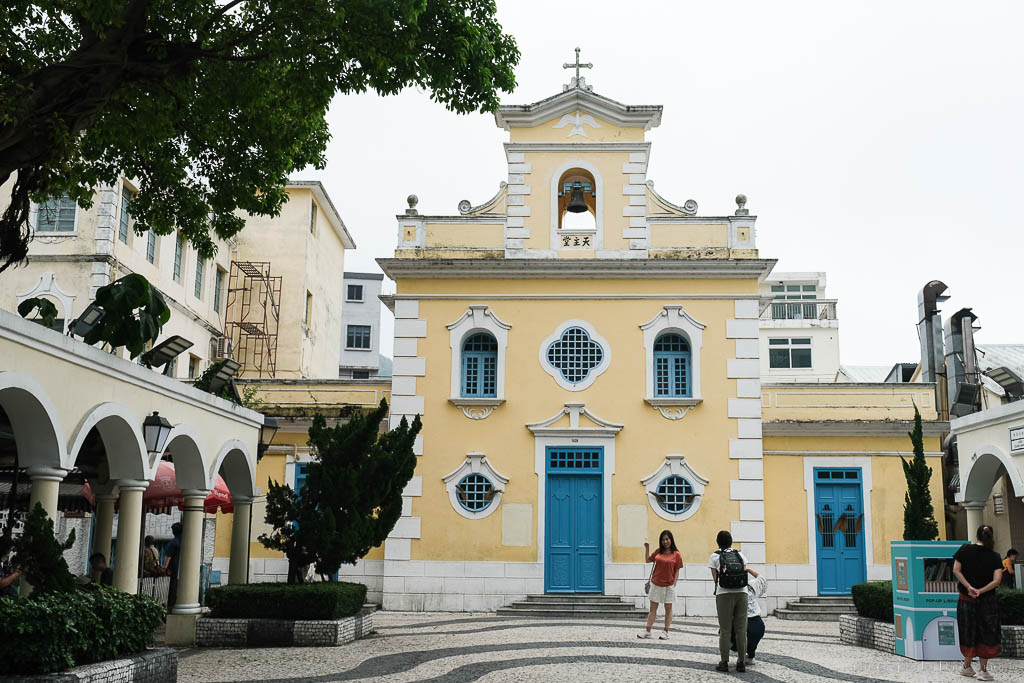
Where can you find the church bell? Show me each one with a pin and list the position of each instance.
(576, 203)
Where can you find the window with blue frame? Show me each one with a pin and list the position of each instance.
(675, 494)
(475, 492)
(672, 365)
(480, 366)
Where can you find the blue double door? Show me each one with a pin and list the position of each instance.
(839, 529)
(574, 548)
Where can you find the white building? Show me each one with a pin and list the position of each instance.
(360, 326)
(799, 329)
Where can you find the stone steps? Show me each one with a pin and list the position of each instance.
(817, 608)
(576, 606)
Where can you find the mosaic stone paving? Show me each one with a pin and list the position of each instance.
(457, 647)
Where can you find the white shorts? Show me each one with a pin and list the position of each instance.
(662, 594)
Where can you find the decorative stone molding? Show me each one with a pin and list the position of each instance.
(673, 318)
(574, 411)
(475, 463)
(477, 408)
(675, 464)
(47, 286)
(673, 408)
(477, 318)
(594, 372)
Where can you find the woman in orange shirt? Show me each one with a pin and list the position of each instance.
(667, 563)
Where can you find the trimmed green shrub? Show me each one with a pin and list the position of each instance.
(1011, 606)
(57, 631)
(874, 600)
(321, 600)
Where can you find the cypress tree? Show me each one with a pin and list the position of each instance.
(352, 497)
(918, 515)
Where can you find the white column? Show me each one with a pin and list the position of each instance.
(103, 530)
(129, 530)
(45, 488)
(238, 568)
(975, 518)
(191, 552)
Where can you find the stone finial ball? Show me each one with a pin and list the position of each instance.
(413, 201)
(741, 200)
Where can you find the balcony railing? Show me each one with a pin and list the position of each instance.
(806, 309)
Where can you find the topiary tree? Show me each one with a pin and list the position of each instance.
(918, 515)
(352, 497)
(40, 556)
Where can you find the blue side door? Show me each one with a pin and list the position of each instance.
(574, 556)
(839, 522)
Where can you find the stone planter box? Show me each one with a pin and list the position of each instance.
(153, 666)
(281, 632)
(881, 635)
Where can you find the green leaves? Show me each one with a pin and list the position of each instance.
(47, 311)
(210, 111)
(40, 556)
(919, 522)
(134, 314)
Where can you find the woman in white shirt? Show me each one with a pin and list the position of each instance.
(756, 588)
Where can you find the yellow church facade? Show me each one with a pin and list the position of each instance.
(585, 384)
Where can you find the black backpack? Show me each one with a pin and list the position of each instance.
(732, 573)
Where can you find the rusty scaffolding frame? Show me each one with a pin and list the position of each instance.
(253, 315)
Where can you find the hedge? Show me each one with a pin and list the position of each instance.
(874, 600)
(57, 631)
(321, 600)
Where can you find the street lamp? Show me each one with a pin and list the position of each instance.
(267, 432)
(90, 318)
(165, 351)
(227, 370)
(155, 429)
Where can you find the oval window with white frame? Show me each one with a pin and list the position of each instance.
(475, 487)
(675, 489)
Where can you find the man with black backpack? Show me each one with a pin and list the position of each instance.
(729, 571)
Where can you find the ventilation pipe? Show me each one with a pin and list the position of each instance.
(964, 391)
(929, 331)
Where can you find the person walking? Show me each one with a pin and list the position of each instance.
(1008, 571)
(664, 574)
(729, 572)
(151, 559)
(978, 570)
(172, 553)
(756, 588)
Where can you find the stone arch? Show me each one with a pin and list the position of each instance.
(235, 466)
(189, 464)
(556, 176)
(38, 435)
(121, 432)
(983, 472)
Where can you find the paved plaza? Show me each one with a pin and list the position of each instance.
(469, 647)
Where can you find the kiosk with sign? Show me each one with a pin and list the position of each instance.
(924, 599)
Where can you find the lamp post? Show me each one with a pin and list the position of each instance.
(267, 433)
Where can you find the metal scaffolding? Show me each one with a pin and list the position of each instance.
(253, 315)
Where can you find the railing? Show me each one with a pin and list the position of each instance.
(806, 309)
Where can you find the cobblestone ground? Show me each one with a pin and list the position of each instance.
(462, 647)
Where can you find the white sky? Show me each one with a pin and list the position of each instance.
(880, 142)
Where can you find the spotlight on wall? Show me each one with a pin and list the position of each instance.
(165, 351)
(155, 429)
(90, 318)
(224, 373)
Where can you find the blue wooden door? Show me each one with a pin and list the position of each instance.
(574, 556)
(839, 522)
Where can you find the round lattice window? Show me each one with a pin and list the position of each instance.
(575, 354)
(674, 494)
(474, 492)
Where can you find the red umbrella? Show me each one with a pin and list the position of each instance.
(163, 492)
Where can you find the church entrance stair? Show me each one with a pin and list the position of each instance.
(590, 606)
(819, 608)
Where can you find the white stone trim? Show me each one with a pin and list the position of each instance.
(475, 463)
(606, 358)
(47, 286)
(675, 464)
(864, 463)
(477, 318)
(673, 318)
(556, 175)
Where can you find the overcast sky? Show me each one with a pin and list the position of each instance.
(880, 142)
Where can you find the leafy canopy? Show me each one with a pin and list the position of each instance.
(352, 497)
(134, 312)
(919, 522)
(39, 554)
(210, 104)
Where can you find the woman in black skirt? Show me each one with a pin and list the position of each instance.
(978, 571)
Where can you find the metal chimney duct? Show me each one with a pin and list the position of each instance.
(964, 391)
(929, 332)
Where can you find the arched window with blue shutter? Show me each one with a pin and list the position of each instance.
(480, 366)
(672, 366)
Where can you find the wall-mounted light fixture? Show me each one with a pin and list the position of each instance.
(155, 429)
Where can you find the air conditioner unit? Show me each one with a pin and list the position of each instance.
(221, 348)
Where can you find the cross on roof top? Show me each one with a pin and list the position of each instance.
(576, 81)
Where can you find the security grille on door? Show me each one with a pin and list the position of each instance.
(574, 459)
(825, 526)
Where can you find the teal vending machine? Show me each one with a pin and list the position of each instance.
(924, 599)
